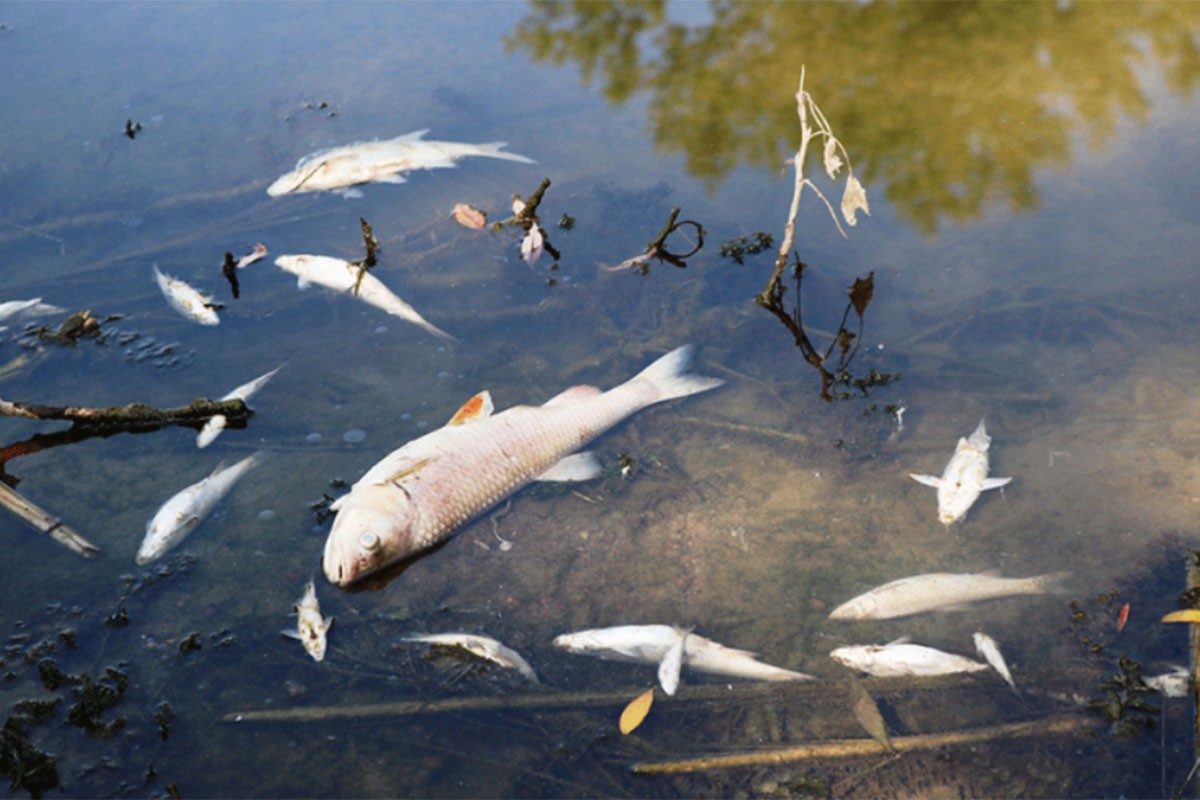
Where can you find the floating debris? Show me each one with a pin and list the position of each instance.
(657, 249)
(635, 713)
(132, 129)
(469, 217)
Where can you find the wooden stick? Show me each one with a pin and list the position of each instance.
(845, 748)
(132, 416)
(45, 523)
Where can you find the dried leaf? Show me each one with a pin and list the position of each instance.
(635, 713)
(1123, 617)
(469, 216)
(861, 293)
(867, 714)
(853, 199)
(1191, 615)
(531, 245)
(833, 162)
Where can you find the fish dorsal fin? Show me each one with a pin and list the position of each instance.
(572, 395)
(901, 640)
(576, 467)
(478, 407)
(414, 136)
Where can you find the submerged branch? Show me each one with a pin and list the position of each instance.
(132, 417)
(849, 748)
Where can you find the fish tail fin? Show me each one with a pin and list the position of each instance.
(670, 378)
(493, 150)
(1053, 583)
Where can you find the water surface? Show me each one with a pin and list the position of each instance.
(1030, 230)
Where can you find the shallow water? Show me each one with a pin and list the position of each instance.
(1029, 174)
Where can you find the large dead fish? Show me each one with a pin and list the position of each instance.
(419, 494)
(941, 590)
(380, 162)
(180, 515)
(342, 276)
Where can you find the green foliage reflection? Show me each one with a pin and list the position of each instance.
(951, 106)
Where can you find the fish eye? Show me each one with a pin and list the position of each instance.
(369, 541)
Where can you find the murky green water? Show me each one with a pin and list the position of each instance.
(1031, 237)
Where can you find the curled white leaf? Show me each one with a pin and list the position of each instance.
(531, 245)
(853, 199)
(833, 162)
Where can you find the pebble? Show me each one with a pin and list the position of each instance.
(266, 515)
(354, 436)
(313, 438)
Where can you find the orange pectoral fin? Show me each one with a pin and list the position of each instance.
(478, 407)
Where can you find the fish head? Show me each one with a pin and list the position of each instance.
(858, 657)
(374, 528)
(861, 607)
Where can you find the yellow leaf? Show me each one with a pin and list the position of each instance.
(636, 711)
(1191, 615)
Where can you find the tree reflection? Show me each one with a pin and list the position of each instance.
(951, 106)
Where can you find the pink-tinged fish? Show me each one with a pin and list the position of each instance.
(380, 162)
(419, 494)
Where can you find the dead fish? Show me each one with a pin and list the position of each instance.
(986, 647)
(186, 300)
(964, 478)
(421, 493)
(380, 162)
(482, 647)
(184, 511)
(901, 659)
(26, 308)
(654, 644)
(941, 590)
(311, 627)
(216, 423)
(1176, 683)
(342, 276)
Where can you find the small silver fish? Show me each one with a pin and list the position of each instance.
(342, 276)
(654, 644)
(216, 423)
(180, 515)
(1176, 683)
(990, 651)
(186, 300)
(380, 162)
(311, 627)
(482, 647)
(419, 494)
(26, 308)
(940, 590)
(964, 478)
(901, 658)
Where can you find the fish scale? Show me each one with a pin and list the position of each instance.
(418, 495)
